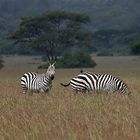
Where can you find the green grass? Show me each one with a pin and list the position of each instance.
(61, 115)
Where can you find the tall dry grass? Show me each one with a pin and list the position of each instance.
(62, 115)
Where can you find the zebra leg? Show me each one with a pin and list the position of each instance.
(47, 91)
(31, 92)
(24, 90)
(85, 90)
(37, 91)
(88, 91)
(44, 91)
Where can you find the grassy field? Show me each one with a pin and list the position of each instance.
(61, 115)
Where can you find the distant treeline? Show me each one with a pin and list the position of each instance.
(114, 24)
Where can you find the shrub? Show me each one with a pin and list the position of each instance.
(1, 63)
(73, 60)
(135, 49)
(76, 60)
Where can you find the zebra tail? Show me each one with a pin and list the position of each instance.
(64, 85)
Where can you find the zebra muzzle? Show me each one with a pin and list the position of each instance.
(52, 77)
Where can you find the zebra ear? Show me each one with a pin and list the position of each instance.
(49, 63)
(53, 63)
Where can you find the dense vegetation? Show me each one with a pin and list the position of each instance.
(136, 49)
(1, 63)
(72, 60)
(53, 32)
(116, 21)
(76, 59)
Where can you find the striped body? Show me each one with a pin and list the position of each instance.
(109, 83)
(97, 82)
(84, 82)
(36, 82)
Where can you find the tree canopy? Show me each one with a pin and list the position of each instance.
(53, 32)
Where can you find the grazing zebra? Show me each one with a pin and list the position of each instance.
(97, 82)
(38, 82)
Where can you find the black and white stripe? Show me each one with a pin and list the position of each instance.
(38, 82)
(97, 82)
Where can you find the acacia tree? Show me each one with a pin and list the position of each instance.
(53, 32)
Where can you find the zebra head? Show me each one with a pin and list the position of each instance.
(51, 71)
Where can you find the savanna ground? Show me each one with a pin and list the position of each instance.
(61, 115)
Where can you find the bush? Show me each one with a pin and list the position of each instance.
(135, 49)
(1, 63)
(76, 60)
(73, 60)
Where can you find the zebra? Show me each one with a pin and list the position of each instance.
(38, 82)
(87, 81)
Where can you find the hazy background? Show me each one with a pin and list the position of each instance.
(119, 18)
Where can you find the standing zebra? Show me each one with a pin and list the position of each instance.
(38, 82)
(97, 82)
